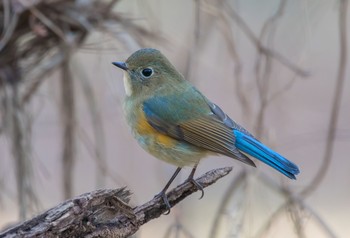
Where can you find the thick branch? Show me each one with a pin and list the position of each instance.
(105, 212)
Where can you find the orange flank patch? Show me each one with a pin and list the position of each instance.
(165, 140)
(144, 128)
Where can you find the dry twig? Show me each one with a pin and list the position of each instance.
(105, 212)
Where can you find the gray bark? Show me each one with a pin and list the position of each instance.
(105, 212)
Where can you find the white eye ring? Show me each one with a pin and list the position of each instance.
(147, 72)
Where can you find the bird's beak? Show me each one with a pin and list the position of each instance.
(121, 65)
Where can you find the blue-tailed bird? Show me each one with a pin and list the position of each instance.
(176, 123)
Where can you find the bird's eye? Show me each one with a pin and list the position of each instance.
(147, 72)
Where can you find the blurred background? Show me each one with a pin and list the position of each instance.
(277, 67)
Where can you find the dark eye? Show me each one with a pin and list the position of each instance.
(147, 72)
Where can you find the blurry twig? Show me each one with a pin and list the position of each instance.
(177, 229)
(110, 5)
(296, 215)
(38, 78)
(8, 30)
(230, 192)
(63, 22)
(98, 147)
(266, 54)
(293, 203)
(319, 220)
(193, 49)
(50, 24)
(21, 149)
(69, 120)
(249, 33)
(263, 78)
(33, 34)
(6, 14)
(337, 97)
(90, 148)
(230, 42)
(282, 90)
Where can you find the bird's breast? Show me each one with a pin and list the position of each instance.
(161, 146)
(143, 129)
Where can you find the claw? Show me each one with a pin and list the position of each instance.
(199, 187)
(194, 182)
(165, 200)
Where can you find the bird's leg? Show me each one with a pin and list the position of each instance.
(195, 183)
(162, 193)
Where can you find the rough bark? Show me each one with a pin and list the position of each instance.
(105, 212)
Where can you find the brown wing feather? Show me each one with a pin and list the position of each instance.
(211, 134)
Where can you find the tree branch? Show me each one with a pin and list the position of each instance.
(105, 212)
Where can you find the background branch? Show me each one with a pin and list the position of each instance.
(338, 94)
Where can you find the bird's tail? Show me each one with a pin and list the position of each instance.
(260, 151)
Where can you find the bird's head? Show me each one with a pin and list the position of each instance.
(147, 70)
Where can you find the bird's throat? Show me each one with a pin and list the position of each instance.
(127, 84)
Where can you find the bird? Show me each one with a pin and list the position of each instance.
(173, 121)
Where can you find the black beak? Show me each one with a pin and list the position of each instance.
(121, 65)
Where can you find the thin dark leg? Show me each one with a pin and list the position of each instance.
(171, 179)
(192, 180)
(162, 193)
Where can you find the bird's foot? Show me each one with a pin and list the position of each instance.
(164, 197)
(195, 183)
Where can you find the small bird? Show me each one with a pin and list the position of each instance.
(176, 123)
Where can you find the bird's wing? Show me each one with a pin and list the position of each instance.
(192, 118)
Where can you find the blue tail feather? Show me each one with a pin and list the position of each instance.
(258, 150)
